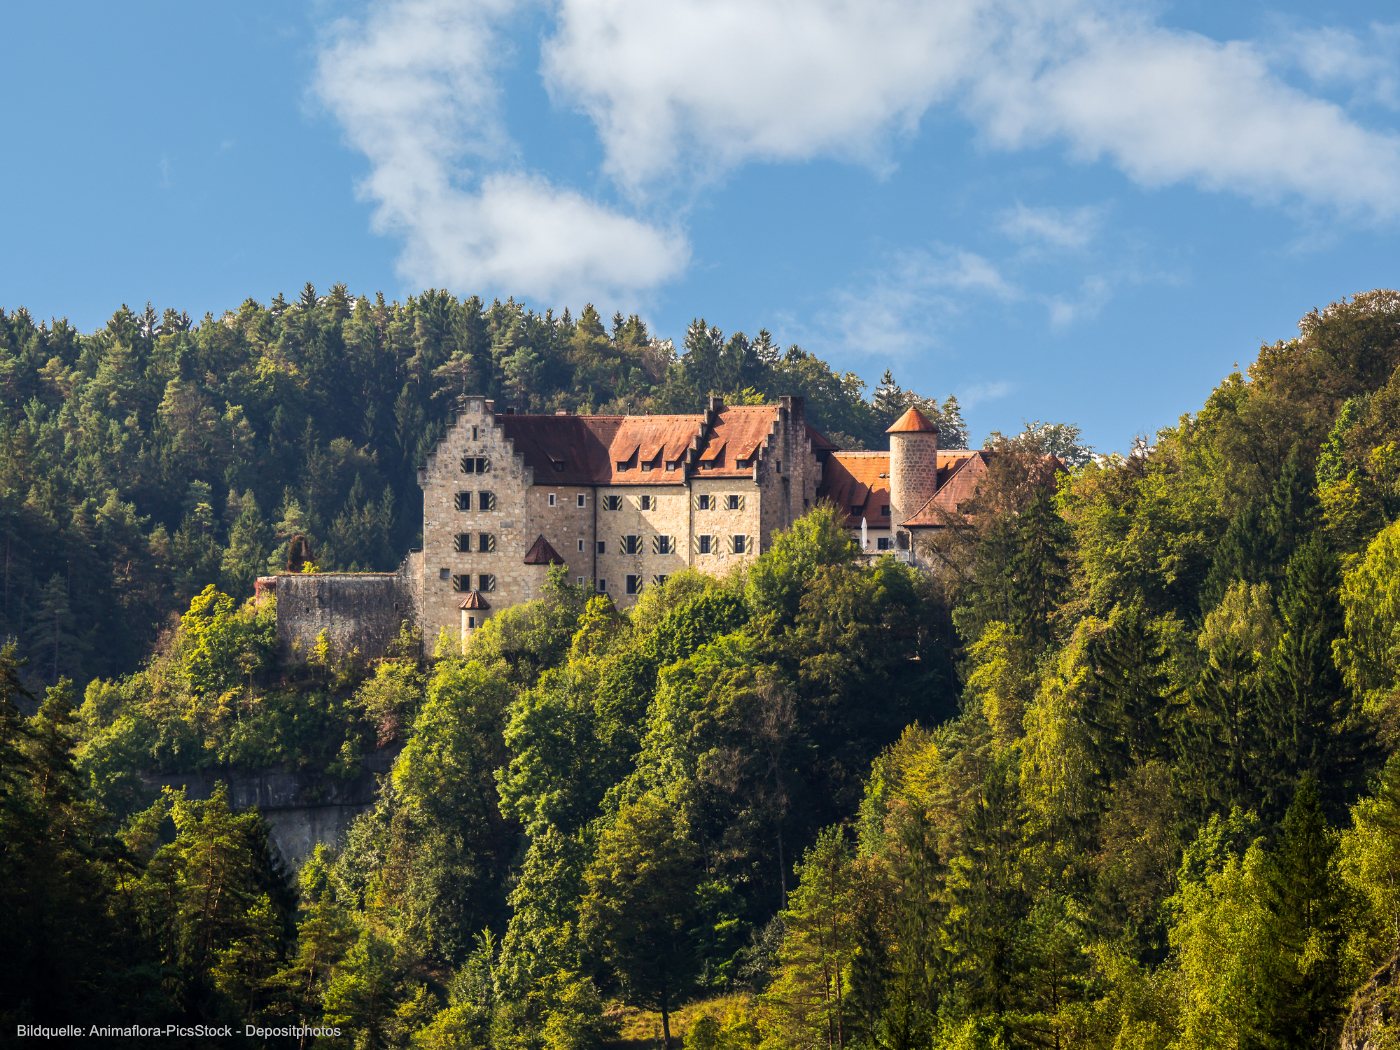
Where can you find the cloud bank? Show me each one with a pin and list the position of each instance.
(683, 92)
(415, 86)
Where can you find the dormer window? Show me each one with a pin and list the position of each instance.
(884, 510)
(622, 466)
(558, 465)
(671, 464)
(855, 510)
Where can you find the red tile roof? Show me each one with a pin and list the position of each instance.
(913, 421)
(474, 600)
(957, 483)
(586, 450)
(858, 480)
(541, 553)
(862, 479)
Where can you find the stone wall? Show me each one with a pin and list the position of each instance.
(361, 612)
(668, 515)
(473, 432)
(913, 472)
(303, 809)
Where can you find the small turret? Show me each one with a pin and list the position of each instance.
(913, 465)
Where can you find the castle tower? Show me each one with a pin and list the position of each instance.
(913, 466)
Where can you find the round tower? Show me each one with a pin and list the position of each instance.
(913, 466)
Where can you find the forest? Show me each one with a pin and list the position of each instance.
(1119, 771)
(149, 459)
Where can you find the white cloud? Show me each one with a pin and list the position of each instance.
(684, 91)
(1332, 56)
(975, 394)
(416, 89)
(1173, 107)
(696, 87)
(1057, 227)
(905, 305)
(701, 86)
(1094, 293)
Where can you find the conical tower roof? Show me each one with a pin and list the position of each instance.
(913, 421)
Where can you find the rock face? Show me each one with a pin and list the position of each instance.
(1374, 1022)
(304, 809)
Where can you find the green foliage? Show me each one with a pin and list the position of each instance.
(1112, 776)
(154, 457)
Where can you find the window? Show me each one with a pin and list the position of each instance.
(580, 546)
(444, 574)
(486, 582)
(580, 581)
(741, 544)
(485, 543)
(883, 544)
(648, 465)
(612, 502)
(709, 464)
(884, 510)
(734, 502)
(631, 545)
(473, 433)
(777, 466)
(704, 544)
(602, 547)
(463, 501)
(461, 583)
(602, 586)
(648, 503)
(485, 501)
(475, 465)
(705, 501)
(634, 584)
(659, 580)
(551, 499)
(558, 465)
(471, 620)
(856, 509)
(662, 545)
(670, 464)
(462, 543)
(581, 500)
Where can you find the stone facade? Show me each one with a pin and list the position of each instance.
(626, 501)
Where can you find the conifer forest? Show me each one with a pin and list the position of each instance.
(1121, 773)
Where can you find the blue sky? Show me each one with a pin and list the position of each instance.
(1056, 209)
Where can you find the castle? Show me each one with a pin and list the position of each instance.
(621, 502)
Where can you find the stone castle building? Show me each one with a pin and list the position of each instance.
(621, 502)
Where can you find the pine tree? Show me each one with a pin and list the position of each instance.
(1128, 713)
(57, 645)
(1039, 571)
(1314, 729)
(1302, 992)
